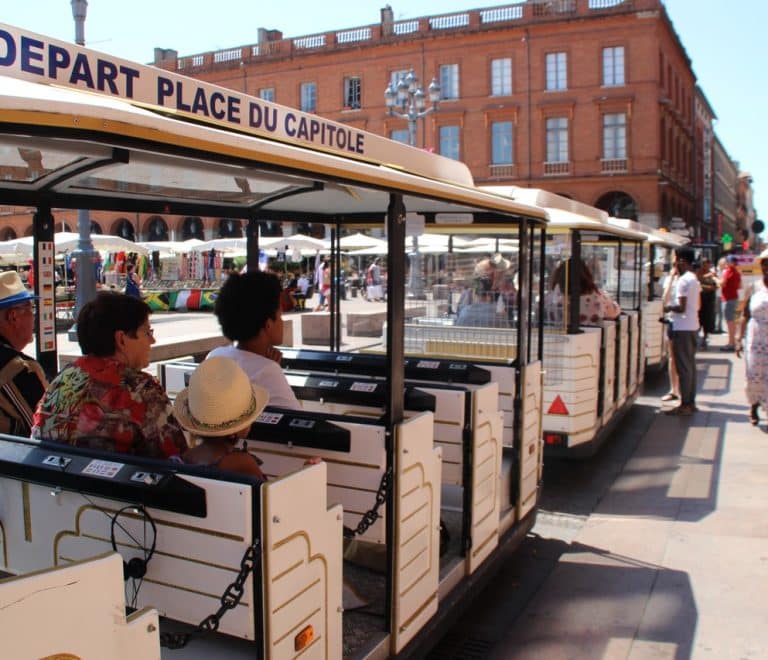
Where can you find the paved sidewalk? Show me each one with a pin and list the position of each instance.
(673, 562)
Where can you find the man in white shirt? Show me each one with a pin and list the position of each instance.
(684, 314)
(248, 309)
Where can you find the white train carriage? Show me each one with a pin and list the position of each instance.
(128, 138)
(593, 371)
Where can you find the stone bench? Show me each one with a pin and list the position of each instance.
(371, 324)
(316, 328)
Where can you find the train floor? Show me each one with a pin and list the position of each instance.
(655, 548)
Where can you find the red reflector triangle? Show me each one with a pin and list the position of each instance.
(557, 407)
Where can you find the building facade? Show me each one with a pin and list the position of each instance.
(592, 99)
(726, 180)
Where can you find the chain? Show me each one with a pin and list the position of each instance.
(372, 515)
(229, 600)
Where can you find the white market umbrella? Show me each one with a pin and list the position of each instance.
(359, 241)
(306, 244)
(226, 245)
(67, 241)
(172, 247)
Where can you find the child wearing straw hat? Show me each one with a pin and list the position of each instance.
(218, 409)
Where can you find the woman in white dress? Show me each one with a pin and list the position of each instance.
(754, 330)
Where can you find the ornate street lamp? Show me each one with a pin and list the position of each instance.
(85, 254)
(408, 101)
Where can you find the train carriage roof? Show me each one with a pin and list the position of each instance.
(83, 149)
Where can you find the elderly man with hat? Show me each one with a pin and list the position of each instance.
(22, 381)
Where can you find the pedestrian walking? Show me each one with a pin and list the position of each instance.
(684, 313)
(708, 282)
(729, 296)
(754, 330)
(132, 282)
(667, 296)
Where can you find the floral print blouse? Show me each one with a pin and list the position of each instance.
(100, 403)
(594, 307)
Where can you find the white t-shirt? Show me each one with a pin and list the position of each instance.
(262, 371)
(688, 287)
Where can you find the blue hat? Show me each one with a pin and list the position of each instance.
(731, 259)
(12, 290)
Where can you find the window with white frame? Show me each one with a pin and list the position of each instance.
(352, 88)
(449, 141)
(557, 140)
(613, 66)
(501, 77)
(557, 71)
(501, 143)
(396, 76)
(614, 136)
(449, 81)
(267, 93)
(308, 97)
(399, 135)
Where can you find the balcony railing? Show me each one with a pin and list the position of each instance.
(502, 171)
(557, 168)
(352, 36)
(501, 14)
(520, 12)
(614, 166)
(554, 7)
(315, 41)
(406, 27)
(607, 4)
(227, 55)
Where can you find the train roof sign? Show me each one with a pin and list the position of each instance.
(36, 58)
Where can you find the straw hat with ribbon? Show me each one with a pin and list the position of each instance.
(12, 290)
(220, 400)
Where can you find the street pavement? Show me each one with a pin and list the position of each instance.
(673, 560)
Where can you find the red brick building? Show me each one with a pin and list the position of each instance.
(593, 99)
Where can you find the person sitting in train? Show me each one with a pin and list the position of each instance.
(217, 409)
(22, 381)
(248, 309)
(594, 304)
(103, 400)
(484, 311)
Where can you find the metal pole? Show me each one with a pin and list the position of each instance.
(411, 126)
(85, 289)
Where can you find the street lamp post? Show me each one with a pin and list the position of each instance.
(407, 100)
(85, 289)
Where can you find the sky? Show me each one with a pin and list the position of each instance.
(725, 40)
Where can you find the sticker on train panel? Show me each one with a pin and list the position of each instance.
(302, 423)
(105, 469)
(269, 418)
(363, 387)
(426, 364)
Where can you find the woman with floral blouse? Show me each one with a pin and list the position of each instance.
(595, 305)
(103, 400)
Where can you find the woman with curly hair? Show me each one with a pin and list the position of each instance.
(248, 309)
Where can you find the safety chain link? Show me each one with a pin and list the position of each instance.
(372, 515)
(229, 600)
